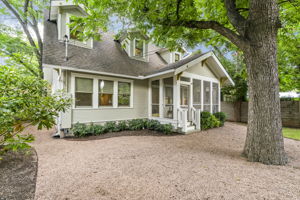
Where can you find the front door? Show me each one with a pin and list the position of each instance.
(185, 97)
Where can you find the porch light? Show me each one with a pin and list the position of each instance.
(101, 84)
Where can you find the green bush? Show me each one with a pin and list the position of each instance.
(122, 126)
(208, 121)
(221, 116)
(80, 130)
(111, 127)
(136, 124)
(153, 125)
(166, 128)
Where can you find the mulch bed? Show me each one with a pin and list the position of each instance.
(122, 133)
(18, 172)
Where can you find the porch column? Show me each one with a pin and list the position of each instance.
(211, 100)
(161, 99)
(176, 97)
(202, 95)
(219, 87)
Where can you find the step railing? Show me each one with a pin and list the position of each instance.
(182, 119)
(196, 117)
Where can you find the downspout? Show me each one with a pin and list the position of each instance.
(59, 118)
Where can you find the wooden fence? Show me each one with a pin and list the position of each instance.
(290, 112)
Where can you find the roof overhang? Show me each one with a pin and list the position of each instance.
(77, 9)
(212, 61)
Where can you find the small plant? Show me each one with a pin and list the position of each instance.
(166, 128)
(99, 129)
(208, 121)
(136, 124)
(221, 116)
(111, 127)
(122, 125)
(80, 130)
(153, 125)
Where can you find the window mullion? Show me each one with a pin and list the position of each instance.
(115, 94)
(95, 93)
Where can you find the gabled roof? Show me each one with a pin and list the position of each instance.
(108, 57)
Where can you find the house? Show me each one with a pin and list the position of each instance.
(127, 77)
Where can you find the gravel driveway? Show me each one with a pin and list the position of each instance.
(204, 165)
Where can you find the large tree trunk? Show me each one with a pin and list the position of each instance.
(264, 142)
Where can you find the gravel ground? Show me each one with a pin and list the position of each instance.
(203, 165)
(18, 176)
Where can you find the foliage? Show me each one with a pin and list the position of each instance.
(24, 101)
(208, 121)
(18, 143)
(166, 128)
(18, 53)
(136, 124)
(82, 130)
(221, 116)
(153, 125)
(122, 126)
(111, 127)
(29, 14)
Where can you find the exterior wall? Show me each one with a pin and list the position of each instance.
(202, 70)
(290, 112)
(98, 115)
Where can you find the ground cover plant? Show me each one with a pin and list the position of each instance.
(292, 133)
(82, 130)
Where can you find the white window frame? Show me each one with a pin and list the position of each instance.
(144, 47)
(175, 56)
(96, 79)
(85, 44)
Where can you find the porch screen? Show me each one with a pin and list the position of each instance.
(106, 90)
(124, 94)
(83, 92)
(155, 98)
(206, 97)
(215, 97)
(197, 93)
(168, 97)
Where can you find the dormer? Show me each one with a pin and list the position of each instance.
(171, 56)
(135, 45)
(63, 12)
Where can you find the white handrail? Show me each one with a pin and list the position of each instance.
(196, 117)
(182, 119)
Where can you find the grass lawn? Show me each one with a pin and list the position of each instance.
(292, 133)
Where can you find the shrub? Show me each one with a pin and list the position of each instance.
(136, 124)
(166, 128)
(221, 116)
(153, 125)
(208, 121)
(80, 130)
(99, 129)
(111, 127)
(122, 126)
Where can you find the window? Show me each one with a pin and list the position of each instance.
(83, 92)
(206, 103)
(106, 90)
(185, 79)
(197, 93)
(215, 97)
(139, 48)
(177, 57)
(168, 97)
(155, 98)
(124, 90)
(74, 34)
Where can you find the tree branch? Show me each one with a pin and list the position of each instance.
(235, 18)
(229, 34)
(177, 8)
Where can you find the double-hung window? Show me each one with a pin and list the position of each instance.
(83, 92)
(124, 94)
(139, 48)
(106, 92)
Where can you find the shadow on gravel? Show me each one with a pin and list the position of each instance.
(18, 172)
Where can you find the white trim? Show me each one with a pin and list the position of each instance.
(95, 89)
(211, 97)
(176, 71)
(196, 76)
(91, 71)
(222, 68)
(149, 99)
(161, 98)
